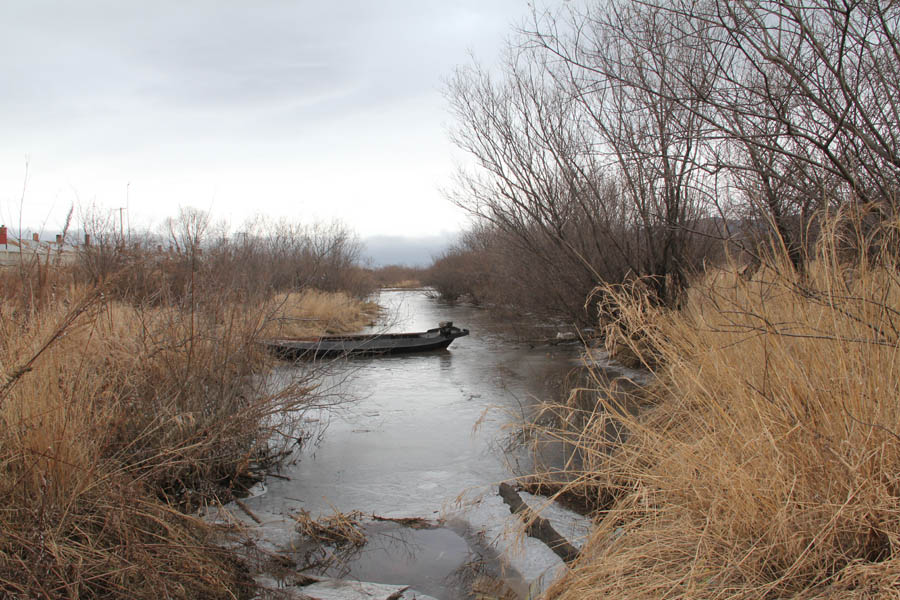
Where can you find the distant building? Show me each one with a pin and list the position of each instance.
(12, 250)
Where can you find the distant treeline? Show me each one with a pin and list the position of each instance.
(264, 256)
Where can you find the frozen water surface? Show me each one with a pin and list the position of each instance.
(424, 436)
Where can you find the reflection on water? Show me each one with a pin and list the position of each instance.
(424, 430)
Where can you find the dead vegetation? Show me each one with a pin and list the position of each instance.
(410, 522)
(337, 529)
(398, 277)
(333, 541)
(343, 529)
(489, 588)
(765, 466)
(313, 312)
(113, 418)
(125, 405)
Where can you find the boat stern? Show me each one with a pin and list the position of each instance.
(447, 329)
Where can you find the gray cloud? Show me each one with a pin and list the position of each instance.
(136, 86)
(406, 251)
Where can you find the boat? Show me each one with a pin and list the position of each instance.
(368, 344)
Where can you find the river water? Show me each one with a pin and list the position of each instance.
(425, 435)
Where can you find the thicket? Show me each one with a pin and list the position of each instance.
(631, 141)
(193, 250)
(134, 391)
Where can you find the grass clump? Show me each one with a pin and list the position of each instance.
(124, 408)
(112, 419)
(337, 529)
(767, 463)
(311, 312)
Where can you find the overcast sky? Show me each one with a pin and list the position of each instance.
(298, 109)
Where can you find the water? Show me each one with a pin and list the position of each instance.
(424, 434)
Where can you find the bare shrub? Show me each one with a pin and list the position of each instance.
(105, 412)
(456, 274)
(193, 255)
(494, 268)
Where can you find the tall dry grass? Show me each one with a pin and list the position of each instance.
(312, 312)
(398, 276)
(766, 462)
(119, 414)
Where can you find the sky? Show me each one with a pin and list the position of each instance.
(311, 111)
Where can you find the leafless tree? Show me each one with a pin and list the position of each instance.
(537, 186)
(585, 169)
(624, 133)
(803, 102)
(613, 59)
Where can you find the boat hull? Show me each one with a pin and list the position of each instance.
(365, 345)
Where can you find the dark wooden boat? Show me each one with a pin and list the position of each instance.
(380, 343)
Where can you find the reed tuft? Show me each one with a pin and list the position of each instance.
(764, 461)
(128, 399)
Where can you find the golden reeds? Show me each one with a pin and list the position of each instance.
(119, 412)
(311, 312)
(88, 444)
(767, 466)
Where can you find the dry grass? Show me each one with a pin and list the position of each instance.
(115, 418)
(313, 312)
(103, 422)
(768, 465)
(337, 529)
(486, 587)
(406, 284)
(397, 276)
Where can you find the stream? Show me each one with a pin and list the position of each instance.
(424, 435)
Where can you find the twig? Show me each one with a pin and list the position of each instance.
(247, 510)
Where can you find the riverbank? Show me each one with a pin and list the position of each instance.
(764, 461)
(123, 409)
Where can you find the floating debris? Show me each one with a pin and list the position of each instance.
(411, 522)
(337, 529)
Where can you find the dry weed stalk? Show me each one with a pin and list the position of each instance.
(768, 464)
